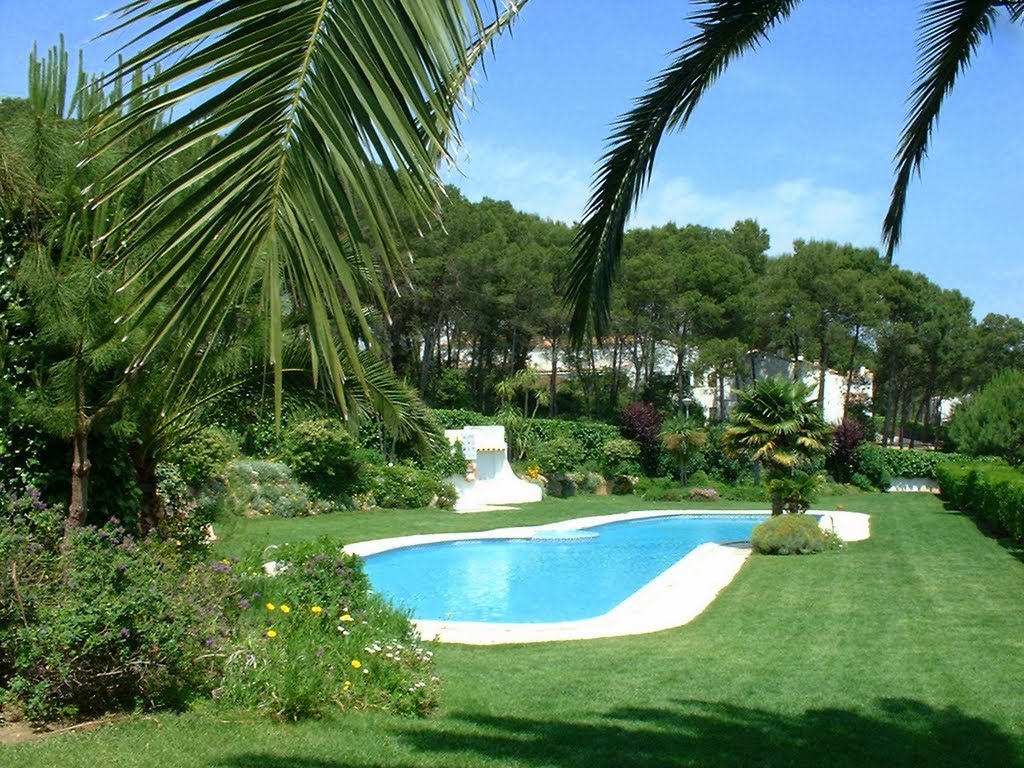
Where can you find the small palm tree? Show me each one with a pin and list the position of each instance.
(682, 438)
(776, 422)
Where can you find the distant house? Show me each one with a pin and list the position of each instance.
(718, 397)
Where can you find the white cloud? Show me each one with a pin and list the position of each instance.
(546, 184)
(788, 209)
(558, 187)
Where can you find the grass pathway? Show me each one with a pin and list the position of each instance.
(904, 650)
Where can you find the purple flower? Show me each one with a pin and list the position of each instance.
(124, 633)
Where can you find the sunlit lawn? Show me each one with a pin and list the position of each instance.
(905, 650)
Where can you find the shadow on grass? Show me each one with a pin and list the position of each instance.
(892, 732)
(1016, 549)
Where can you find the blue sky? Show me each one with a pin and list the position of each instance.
(798, 135)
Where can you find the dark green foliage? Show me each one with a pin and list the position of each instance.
(205, 455)
(589, 435)
(641, 422)
(402, 486)
(457, 418)
(718, 463)
(324, 456)
(789, 535)
(869, 469)
(991, 422)
(993, 492)
(105, 622)
(559, 455)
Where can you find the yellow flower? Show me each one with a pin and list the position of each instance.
(346, 685)
(317, 609)
(346, 617)
(356, 663)
(271, 634)
(270, 606)
(285, 609)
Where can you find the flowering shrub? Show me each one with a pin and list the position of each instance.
(313, 638)
(100, 621)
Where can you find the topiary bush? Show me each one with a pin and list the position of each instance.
(324, 456)
(789, 535)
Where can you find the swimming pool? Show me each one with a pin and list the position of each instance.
(551, 575)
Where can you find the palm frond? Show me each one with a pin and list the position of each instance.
(311, 113)
(948, 36)
(726, 28)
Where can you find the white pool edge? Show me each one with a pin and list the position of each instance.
(672, 599)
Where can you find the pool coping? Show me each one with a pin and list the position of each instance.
(672, 599)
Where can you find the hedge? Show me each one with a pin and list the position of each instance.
(994, 492)
(909, 463)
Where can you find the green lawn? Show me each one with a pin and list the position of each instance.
(904, 650)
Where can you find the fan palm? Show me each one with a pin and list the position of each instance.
(311, 112)
(949, 33)
(776, 422)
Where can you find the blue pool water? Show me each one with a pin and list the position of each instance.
(544, 579)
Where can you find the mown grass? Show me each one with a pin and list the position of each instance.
(904, 650)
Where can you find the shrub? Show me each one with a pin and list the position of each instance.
(869, 468)
(205, 455)
(640, 422)
(620, 457)
(312, 639)
(717, 463)
(590, 435)
(789, 535)
(324, 456)
(144, 624)
(402, 486)
(699, 478)
(257, 488)
(560, 455)
(589, 482)
(842, 460)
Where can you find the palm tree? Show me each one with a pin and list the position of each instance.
(311, 113)
(776, 422)
(949, 33)
(682, 438)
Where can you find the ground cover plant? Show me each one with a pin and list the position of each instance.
(869, 656)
